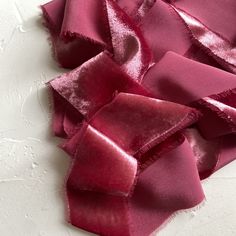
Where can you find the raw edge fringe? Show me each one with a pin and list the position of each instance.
(189, 119)
(175, 214)
(46, 23)
(220, 113)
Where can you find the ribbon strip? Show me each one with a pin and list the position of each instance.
(214, 44)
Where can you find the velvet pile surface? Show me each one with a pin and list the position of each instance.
(147, 108)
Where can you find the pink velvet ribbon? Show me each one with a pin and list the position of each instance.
(148, 109)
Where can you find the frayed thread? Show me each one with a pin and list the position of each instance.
(176, 214)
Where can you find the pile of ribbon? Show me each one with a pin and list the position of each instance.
(148, 109)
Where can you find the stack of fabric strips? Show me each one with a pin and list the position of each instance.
(148, 109)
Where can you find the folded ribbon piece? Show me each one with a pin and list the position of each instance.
(147, 111)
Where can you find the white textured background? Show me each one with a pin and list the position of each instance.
(32, 168)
